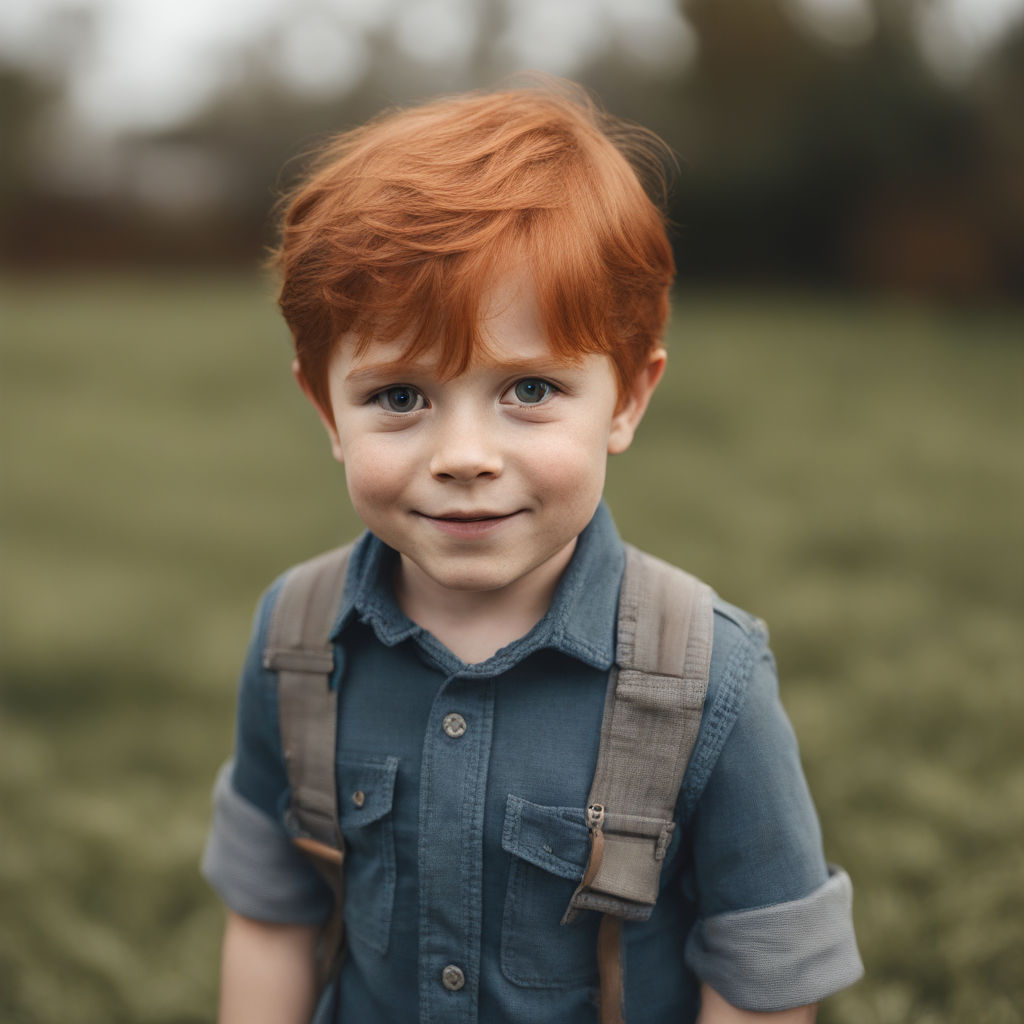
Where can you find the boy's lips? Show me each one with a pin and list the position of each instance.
(471, 517)
(469, 523)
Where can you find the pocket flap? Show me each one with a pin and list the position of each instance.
(366, 789)
(553, 838)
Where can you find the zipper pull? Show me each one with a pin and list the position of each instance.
(595, 824)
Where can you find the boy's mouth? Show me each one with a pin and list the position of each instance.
(472, 517)
(468, 524)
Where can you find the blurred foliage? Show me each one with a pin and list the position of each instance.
(805, 160)
(849, 471)
(826, 164)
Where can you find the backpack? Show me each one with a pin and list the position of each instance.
(652, 713)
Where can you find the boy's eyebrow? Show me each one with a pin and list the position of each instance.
(397, 368)
(394, 368)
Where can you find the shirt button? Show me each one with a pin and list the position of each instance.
(454, 725)
(452, 978)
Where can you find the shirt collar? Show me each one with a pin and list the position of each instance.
(580, 622)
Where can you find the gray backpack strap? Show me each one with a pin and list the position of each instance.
(652, 714)
(299, 649)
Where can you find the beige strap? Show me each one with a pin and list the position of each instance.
(652, 715)
(299, 649)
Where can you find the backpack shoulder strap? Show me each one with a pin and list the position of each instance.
(652, 714)
(299, 649)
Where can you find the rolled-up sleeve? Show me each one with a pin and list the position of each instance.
(775, 928)
(253, 866)
(786, 955)
(249, 859)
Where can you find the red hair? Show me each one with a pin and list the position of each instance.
(402, 225)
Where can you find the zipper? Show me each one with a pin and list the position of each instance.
(595, 822)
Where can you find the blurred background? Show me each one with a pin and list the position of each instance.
(836, 445)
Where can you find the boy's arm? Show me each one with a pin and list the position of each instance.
(268, 973)
(774, 925)
(715, 1010)
(276, 900)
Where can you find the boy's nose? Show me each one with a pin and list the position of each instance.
(464, 450)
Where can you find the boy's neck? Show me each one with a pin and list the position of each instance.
(475, 624)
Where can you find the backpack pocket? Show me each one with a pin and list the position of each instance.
(366, 789)
(548, 848)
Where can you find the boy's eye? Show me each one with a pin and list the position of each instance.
(400, 399)
(532, 391)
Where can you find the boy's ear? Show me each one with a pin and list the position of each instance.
(325, 417)
(627, 418)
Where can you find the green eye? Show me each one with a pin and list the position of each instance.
(531, 391)
(400, 399)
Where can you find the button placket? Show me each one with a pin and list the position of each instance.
(453, 778)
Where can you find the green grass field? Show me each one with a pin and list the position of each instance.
(850, 472)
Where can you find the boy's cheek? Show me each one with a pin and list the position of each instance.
(370, 485)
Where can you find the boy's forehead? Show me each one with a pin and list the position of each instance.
(383, 358)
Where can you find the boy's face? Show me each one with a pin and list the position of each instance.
(483, 481)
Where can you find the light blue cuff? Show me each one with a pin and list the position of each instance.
(779, 957)
(254, 867)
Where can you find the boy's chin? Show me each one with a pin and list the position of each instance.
(482, 576)
(462, 579)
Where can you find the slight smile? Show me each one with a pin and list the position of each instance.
(469, 524)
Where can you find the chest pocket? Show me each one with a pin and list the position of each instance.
(549, 847)
(366, 789)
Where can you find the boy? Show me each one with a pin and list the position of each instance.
(477, 290)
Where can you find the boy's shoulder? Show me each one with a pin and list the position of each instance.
(741, 662)
(749, 625)
(735, 624)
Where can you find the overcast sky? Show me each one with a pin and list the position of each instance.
(151, 62)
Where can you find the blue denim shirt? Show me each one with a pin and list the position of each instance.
(464, 850)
